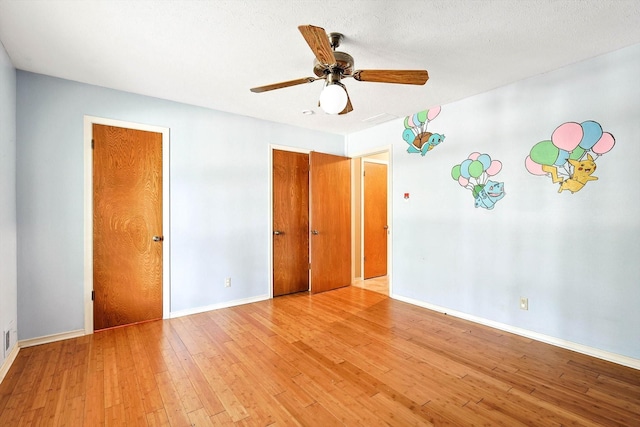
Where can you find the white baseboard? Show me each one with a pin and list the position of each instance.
(51, 338)
(6, 365)
(80, 332)
(217, 306)
(589, 351)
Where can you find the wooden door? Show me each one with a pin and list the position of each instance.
(127, 215)
(330, 222)
(375, 219)
(290, 222)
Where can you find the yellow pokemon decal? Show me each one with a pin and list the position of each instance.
(563, 157)
(582, 171)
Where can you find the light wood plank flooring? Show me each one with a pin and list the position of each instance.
(375, 284)
(347, 357)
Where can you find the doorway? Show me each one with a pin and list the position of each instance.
(136, 229)
(371, 219)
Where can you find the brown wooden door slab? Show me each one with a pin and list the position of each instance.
(127, 214)
(330, 221)
(375, 219)
(290, 222)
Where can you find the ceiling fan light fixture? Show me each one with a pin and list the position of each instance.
(333, 98)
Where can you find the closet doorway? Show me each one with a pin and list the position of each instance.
(311, 234)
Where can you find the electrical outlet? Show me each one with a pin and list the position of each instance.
(227, 282)
(524, 303)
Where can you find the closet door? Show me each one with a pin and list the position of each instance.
(330, 222)
(290, 222)
(375, 220)
(127, 226)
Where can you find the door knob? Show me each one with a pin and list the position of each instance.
(314, 232)
(277, 233)
(158, 238)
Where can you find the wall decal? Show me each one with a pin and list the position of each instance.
(415, 133)
(473, 174)
(566, 158)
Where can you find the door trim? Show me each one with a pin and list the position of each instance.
(270, 240)
(359, 156)
(88, 214)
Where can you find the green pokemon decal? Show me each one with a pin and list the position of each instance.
(473, 174)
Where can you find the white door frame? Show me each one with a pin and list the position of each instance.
(88, 214)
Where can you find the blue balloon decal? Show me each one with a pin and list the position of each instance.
(563, 156)
(416, 120)
(464, 168)
(592, 132)
(485, 160)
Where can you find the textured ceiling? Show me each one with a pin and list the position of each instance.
(209, 53)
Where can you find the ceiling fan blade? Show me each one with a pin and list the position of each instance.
(318, 41)
(281, 85)
(407, 77)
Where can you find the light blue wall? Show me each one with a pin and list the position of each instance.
(575, 256)
(8, 281)
(220, 204)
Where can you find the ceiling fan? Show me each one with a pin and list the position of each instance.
(332, 66)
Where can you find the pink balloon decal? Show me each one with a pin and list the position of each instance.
(604, 144)
(567, 136)
(496, 166)
(474, 156)
(463, 181)
(533, 167)
(433, 113)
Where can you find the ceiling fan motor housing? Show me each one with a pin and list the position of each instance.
(344, 65)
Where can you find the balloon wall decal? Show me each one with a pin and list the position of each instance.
(415, 131)
(474, 173)
(569, 157)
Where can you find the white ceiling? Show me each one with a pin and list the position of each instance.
(209, 53)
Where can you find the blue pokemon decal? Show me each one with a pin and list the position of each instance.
(490, 194)
(473, 174)
(415, 133)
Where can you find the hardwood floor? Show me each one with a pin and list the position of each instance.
(345, 357)
(375, 284)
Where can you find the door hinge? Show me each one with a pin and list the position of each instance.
(93, 295)
(93, 144)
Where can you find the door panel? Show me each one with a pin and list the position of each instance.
(330, 221)
(127, 214)
(290, 222)
(375, 220)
